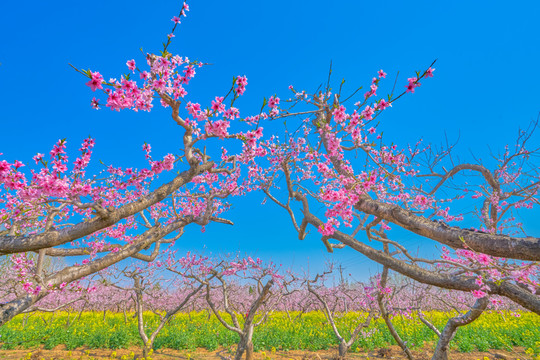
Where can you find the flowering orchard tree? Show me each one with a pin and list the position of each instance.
(335, 157)
(56, 208)
(406, 298)
(452, 325)
(147, 288)
(241, 292)
(333, 299)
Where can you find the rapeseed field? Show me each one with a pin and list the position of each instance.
(282, 331)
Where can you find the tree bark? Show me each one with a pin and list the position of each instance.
(343, 349)
(17, 306)
(245, 345)
(146, 349)
(498, 245)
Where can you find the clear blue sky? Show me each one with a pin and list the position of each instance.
(486, 82)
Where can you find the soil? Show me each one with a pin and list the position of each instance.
(134, 353)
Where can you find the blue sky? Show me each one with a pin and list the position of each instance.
(486, 83)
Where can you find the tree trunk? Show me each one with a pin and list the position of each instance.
(384, 312)
(343, 349)
(147, 347)
(68, 318)
(245, 345)
(449, 331)
(80, 312)
(240, 349)
(249, 350)
(288, 314)
(25, 320)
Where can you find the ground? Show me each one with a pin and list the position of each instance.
(392, 352)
